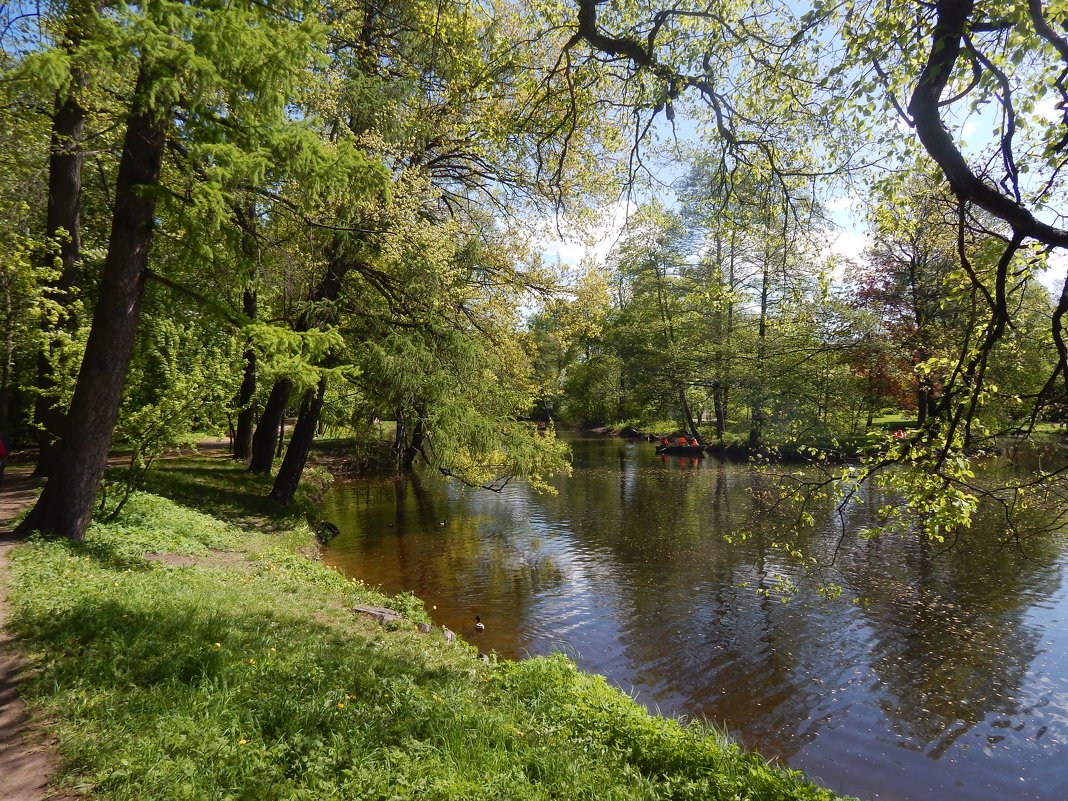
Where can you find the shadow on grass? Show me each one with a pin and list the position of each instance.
(226, 490)
(205, 684)
(173, 682)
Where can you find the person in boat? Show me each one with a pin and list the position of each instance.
(694, 443)
(664, 442)
(683, 442)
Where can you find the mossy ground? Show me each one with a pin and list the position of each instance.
(248, 678)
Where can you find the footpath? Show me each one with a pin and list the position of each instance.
(26, 759)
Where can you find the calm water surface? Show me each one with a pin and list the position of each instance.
(949, 682)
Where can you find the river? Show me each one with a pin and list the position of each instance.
(938, 674)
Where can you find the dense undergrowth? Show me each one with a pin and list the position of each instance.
(244, 676)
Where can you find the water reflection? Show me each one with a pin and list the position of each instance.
(948, 682)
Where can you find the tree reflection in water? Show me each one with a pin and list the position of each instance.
(949, 680)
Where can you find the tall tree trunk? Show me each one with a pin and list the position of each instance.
(266, 436)
(756, 424)
(63, 230)
(756, 430)
(247, 414)
(8, 357)
(412, 449)
(684, 404)
(727, 372)
(719, 406)
(399, 437)
(722, 331)
(66, 504)
(311, 407)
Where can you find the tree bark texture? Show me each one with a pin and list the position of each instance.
(756, 420)
(719, 404)
(266, 437)
(687, 412)
(62, 228)
(247, 414)
(300, 441)
(413, 448)
(267, 428)
(399, 437)
(66, 504)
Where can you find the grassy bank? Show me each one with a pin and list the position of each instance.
(238, 672)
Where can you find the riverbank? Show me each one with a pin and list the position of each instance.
(198, 652)
(852, 448)
(844, 451)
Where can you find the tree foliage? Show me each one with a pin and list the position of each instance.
(336, 204)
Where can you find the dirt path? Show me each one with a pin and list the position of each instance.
(26, 760)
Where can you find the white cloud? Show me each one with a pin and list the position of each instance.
(849, 244)
(844, 246)
(571, 242)
(842, 202)
(1048, 108)
(1054, 276)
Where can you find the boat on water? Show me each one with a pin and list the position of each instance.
(681, 450)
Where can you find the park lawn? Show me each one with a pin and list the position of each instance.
(240, 673)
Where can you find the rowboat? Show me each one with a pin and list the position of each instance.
(681, 450)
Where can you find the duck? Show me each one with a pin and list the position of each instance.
(479, 625)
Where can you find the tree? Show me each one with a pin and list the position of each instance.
(858, 64)
(912, 279)
(66, 502)
(190, 60)
(1007, 59)
(462, 144)
(63, 235)
(561, 337)
(652, 307)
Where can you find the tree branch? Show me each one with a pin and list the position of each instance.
(951, 19)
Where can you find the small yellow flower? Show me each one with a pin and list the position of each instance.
(340, 706)
(435, 606)
(218, 645)
(435, 697)
(350, 697)
(273, 650)
(252, 661)
(242, 742)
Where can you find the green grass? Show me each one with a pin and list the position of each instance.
(225, 489)
(893, 421)
(254, 681)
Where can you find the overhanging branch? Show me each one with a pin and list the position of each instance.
(952, 17)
